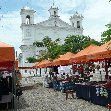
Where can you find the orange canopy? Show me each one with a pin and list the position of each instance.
(7, 55)
(81, 56)
(36, 64)
(103, 52)
(64, 59)
(42, 64)
(39, 65)
(45, 64)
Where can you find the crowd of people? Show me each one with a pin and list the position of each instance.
(80, 74)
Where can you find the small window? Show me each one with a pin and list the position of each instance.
(55, 13)
(25, 71)
(72, 24)
(27, 19)
(78, 24)
(28, 34)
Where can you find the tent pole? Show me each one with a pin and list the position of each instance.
(14, 88)
(72, 68)
(40, 72)
(46, 69)
(36, 71)
(12, 91)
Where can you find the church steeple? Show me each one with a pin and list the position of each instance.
(76, 20)
(27, 15)
(53, 11)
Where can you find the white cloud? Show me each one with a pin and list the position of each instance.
(96, 17)
(10, 29)
(99, 9)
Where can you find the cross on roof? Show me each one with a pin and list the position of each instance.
(53, 2)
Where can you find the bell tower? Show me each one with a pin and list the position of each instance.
(27, 24)
(53, 11)
(76, 20)
(27, 15)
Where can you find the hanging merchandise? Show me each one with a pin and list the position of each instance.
(103, 64)
(6, 83)
(98, 66)
(100, 91)
(74, 67)
(109, 63)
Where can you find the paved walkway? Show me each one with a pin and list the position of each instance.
(44, 99)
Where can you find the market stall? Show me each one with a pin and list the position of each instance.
(7, 75)
(103, 53)
(94, 94)
(97, 93)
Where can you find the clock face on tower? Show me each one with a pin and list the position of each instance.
(28, 33)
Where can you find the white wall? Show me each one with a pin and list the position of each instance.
(55, 33)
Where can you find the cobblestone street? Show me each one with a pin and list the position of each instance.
(44, 99)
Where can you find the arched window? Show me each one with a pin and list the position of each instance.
(55, 13)
(72, 24)
(78, 24)
(27, 19)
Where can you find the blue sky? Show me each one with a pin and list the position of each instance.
(97, 13)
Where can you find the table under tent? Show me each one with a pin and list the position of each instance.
(7, 77)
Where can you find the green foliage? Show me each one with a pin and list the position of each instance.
(75, 44)
(46, 41)
(54, 51)
(43, 57)
(106, 35)
(38, 44)
(92, 41)
(31, 59)
(72, 44)
(53, 47)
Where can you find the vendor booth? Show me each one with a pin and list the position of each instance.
(97, 92)
(103, 53)
(7, 77)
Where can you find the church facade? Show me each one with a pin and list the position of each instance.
(53, 27)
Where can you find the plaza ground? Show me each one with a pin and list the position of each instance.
(44, 99)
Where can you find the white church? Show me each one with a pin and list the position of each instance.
(53, 27)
